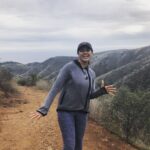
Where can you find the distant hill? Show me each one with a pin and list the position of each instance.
(125, 66)
(47, 69)
(129, 67)
(15, 67)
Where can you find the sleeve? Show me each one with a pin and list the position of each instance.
(97, 91)
(56, 88)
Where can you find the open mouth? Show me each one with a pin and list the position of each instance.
(86, 56)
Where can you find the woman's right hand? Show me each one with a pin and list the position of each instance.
(36, 115)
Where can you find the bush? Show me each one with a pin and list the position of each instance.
(28, 81)
(126, 110)
(32, 79)
(128, 115)
(43, 85)
(22, 81)
(5, 82)
(145, 118)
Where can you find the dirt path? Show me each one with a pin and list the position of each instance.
(19, 132)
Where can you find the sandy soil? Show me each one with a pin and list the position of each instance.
(19, 132)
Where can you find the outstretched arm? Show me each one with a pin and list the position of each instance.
(56, 88)
(109, 89)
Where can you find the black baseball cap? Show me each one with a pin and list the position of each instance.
(86, 45)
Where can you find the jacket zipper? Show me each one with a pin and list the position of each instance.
(89, 78)
(89, 89)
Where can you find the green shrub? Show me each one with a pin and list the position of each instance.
(28, 81)
(5, 82)
(129, 115)
(21, 81)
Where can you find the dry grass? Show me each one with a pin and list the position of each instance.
(0, 122)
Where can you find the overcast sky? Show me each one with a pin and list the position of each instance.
(34, 30)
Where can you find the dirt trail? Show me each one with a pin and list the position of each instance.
(19, 132)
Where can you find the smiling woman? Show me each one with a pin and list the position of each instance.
(76, 84)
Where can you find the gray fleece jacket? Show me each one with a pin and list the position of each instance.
(77, 87)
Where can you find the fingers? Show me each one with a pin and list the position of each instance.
(102, 83)
(110, 86)
(111, 93)
(35, 115)
(111, 90)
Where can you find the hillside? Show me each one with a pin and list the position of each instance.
(115, 66)
(47, 69)
(133, 72)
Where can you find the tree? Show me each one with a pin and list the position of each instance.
(33, 79)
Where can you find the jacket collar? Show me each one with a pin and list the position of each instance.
(79, 65)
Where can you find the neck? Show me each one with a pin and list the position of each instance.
(83, 64)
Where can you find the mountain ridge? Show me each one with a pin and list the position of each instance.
(116, 66)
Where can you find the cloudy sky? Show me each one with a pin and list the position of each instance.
(34, 30)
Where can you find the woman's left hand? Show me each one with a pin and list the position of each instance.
(111, 89)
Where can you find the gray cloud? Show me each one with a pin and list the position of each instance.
(27, 25)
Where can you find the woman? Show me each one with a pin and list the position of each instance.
(76, 82)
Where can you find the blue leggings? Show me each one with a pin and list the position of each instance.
(72, 126)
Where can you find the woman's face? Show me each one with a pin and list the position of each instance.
(85, 55)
